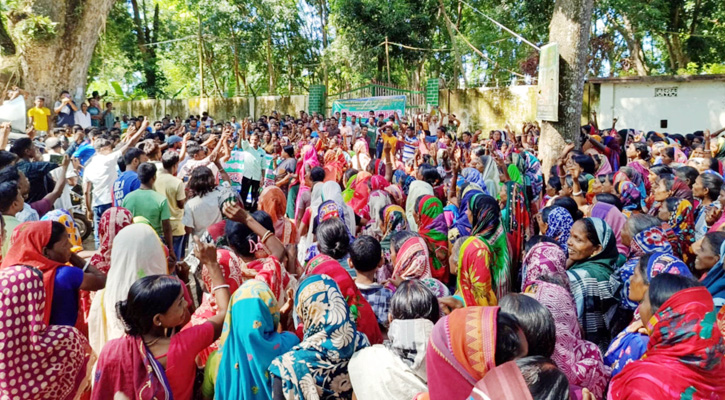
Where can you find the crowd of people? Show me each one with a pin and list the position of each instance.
(374, 256)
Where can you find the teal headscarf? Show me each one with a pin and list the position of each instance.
(249, 343)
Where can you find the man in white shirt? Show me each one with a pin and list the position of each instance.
(346, 132)
(252, 169)
(83, 117)
(100, 173)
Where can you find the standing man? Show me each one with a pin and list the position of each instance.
(128, 181)
(65, 109)
(146, 202)
(39, 116)
(346, 133)
(100, 174)
(252, 170)
(107, 117)
(168, 185)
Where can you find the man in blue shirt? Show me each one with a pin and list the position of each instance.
(128, 181)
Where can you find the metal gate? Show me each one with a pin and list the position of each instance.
(415, 98)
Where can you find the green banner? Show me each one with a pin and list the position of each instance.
(386, 105)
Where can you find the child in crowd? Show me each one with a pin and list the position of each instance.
(366, 257)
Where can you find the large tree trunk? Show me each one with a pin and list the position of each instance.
(570, 28)
(60, 62)
(7, 46)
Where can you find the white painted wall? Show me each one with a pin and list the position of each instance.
(699, 105)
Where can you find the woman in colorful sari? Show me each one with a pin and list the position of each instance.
(484, 214)
(55, 361)
(411, 259)
(334, 161)
(516, 220)
(631, 343)
(455, 363)
(45, 245)
(432, 227)
(137, 252)
(685, 350)
(614, 218)
(471, 175)
(317, 367)
(473, 286)
(272, 201)
(644, 236)
(361, 312)
(678, 215)
(393, 222)
(490, 175)
(544, 259)
(361, 159)
(592, 259)
(361, 193)
(249, 343)
(461, 225)
(580, 360)
(628, 192)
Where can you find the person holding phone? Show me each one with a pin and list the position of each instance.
(65, 110)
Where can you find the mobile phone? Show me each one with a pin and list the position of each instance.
(56, 158)
(192, 262)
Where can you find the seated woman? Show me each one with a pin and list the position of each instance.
(580, 360)
(249, 344)
(55, 360)
(631, 343)
(471, 258)
(677, 365)
(318, 366)
(146, 358)
(528, 378)
(273, 202)
(396, 369)
(484, 214)
(409, 255)
(592, 259)
(137, 252)
(45, 245)
(454, 364)
(710, 258)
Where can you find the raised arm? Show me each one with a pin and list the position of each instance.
(60, 184)
(206, 253)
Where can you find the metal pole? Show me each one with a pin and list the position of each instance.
(387, 58)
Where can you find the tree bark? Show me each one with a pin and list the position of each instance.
(634, 45)
(7, 46)
(61, 62)
(570, 28)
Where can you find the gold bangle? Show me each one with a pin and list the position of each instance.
(266, 236)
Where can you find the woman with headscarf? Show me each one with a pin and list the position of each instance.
(65, 218)
(473, 284)
(317, 367)
(40, 361)
(361, 312)
(328, 191)
(614, 218)
(631, 343)
(649, 240)
(249, 343)
(558, 225)
(361, 159)
(393, 221)
(455, 363)
(360, 193)
(592, 258)
(685, 350)
(628, 192)
(334, 161)
(417, 189)
(45, 245)
(137, 252)
(272, 201)
(461, 225)
(490, 175)
(112, 221)
(379, 199)
(471, 175)
(516, 219)
(678, 215)
(580, 360)
(544, 259)
(484, 215)
(433, 228)
(412, 261)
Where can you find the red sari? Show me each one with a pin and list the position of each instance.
(26, 248)
(684, 358)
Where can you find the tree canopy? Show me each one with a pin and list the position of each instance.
(183, 48)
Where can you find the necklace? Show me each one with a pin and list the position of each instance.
(153, 342)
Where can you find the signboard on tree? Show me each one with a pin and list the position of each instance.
(547, 100)
(386, 105)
